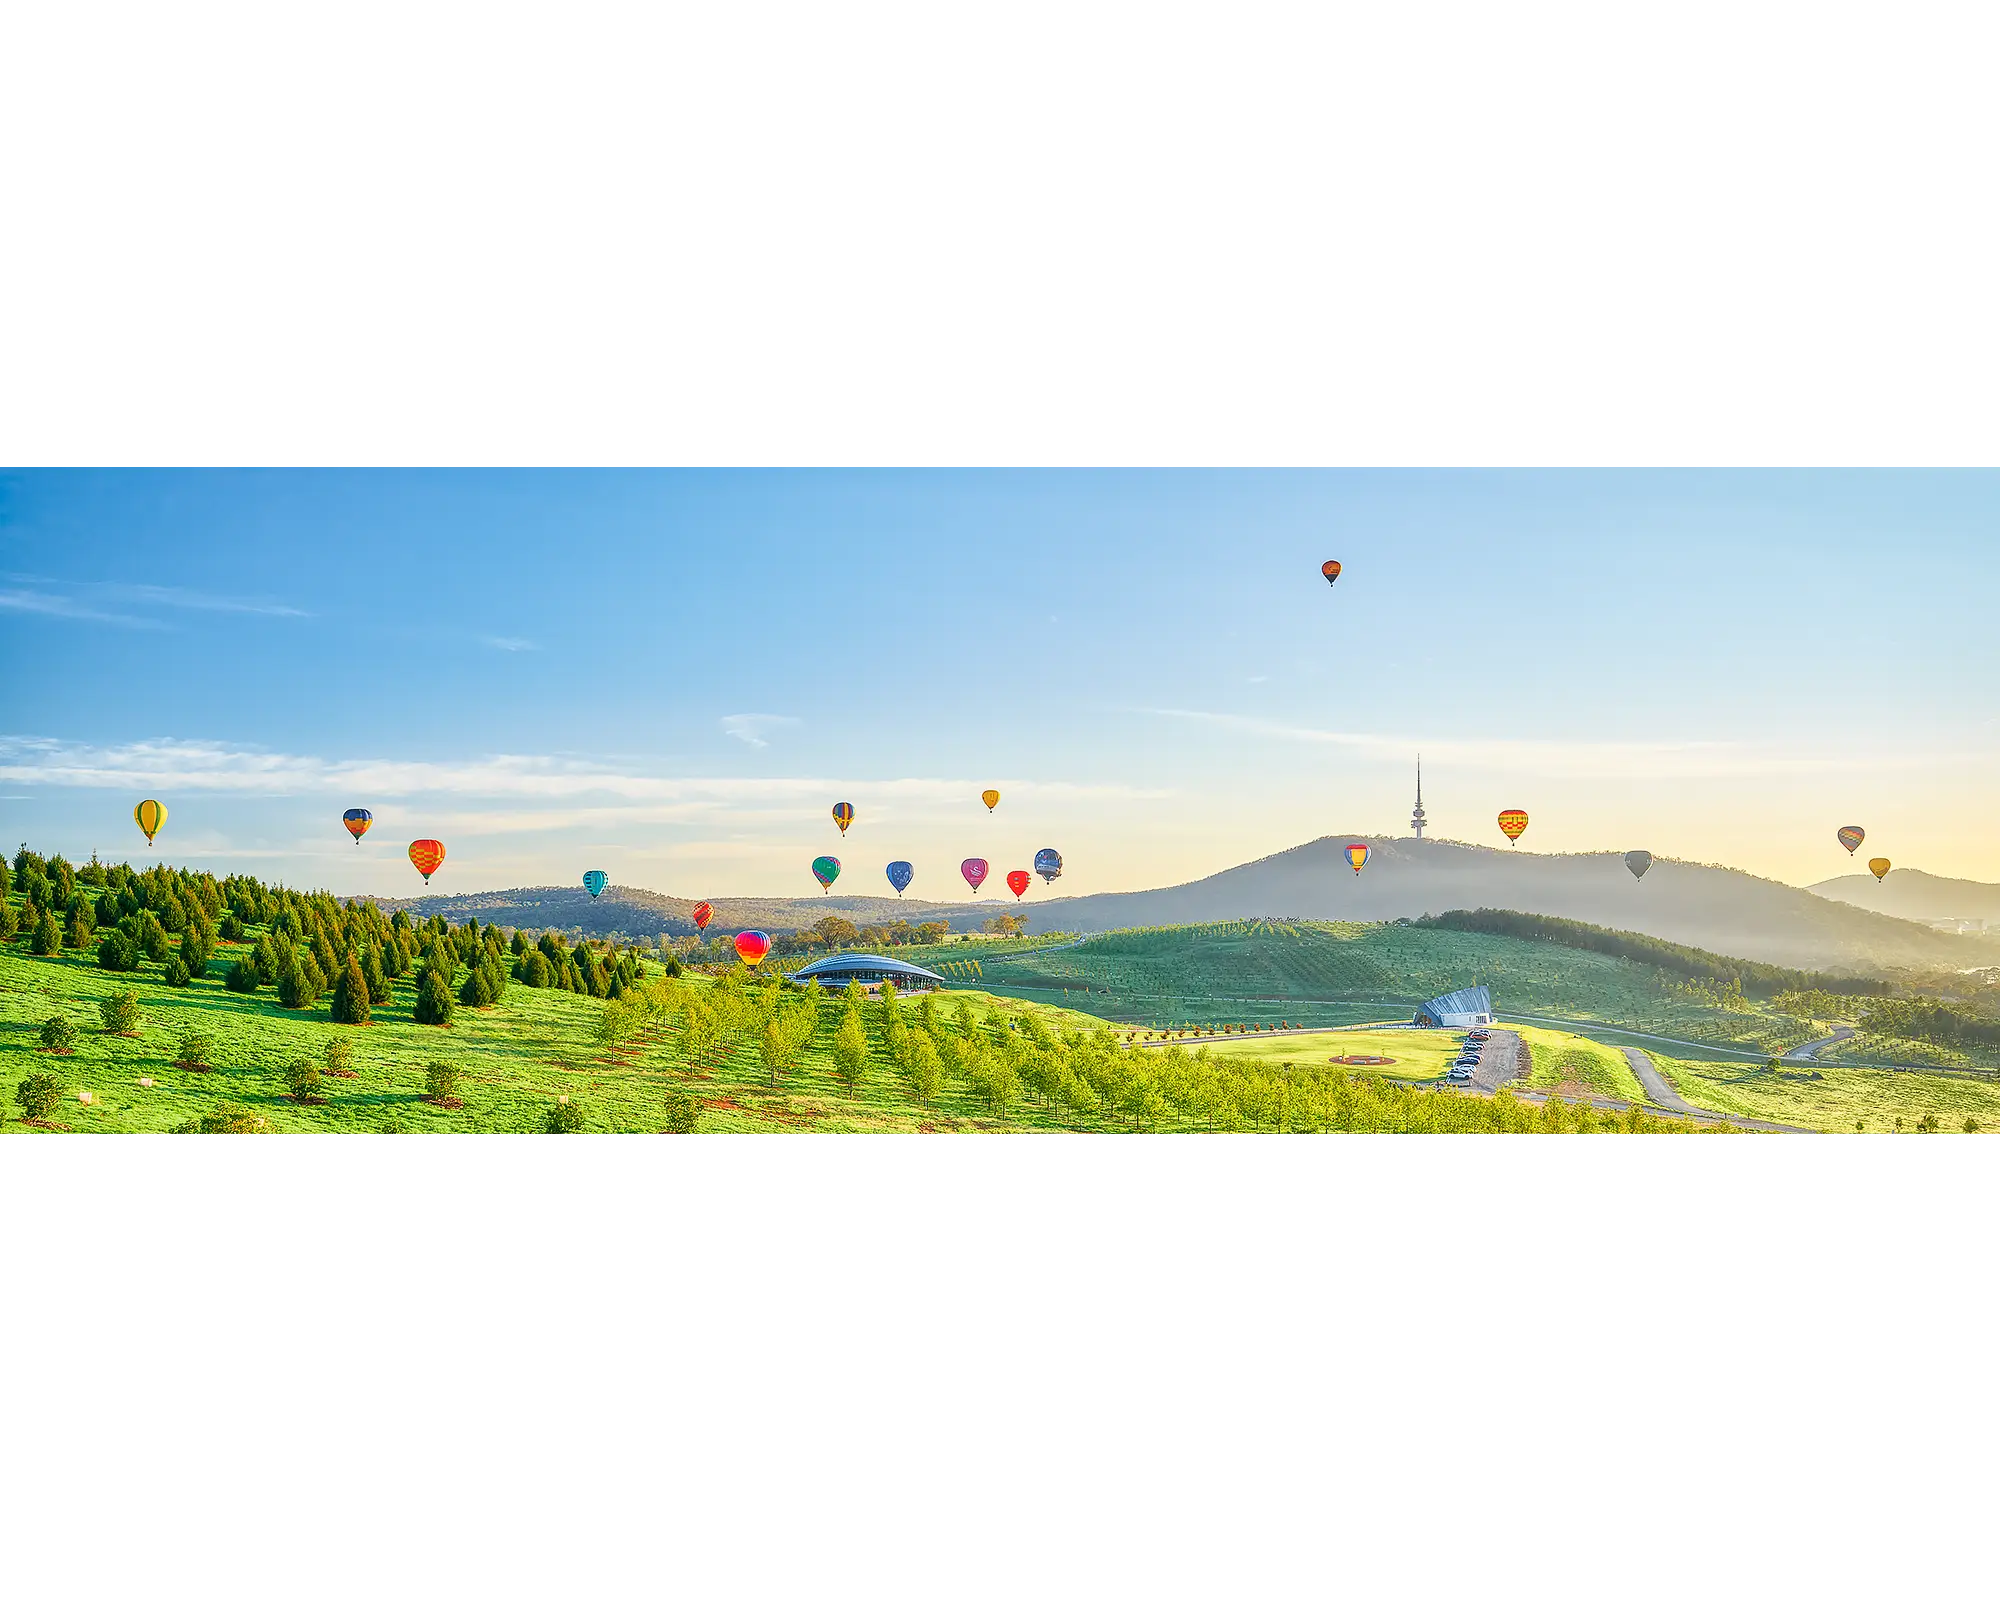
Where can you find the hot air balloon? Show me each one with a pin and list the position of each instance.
(1880, 867)
(426, 855)
(1851, 836)
(1637, 861)
(900, 874)
(1513, 824)
(1329, 570)
(1018, 881)
(752, 946)
(974, 871)
(843, 814)
(991, 797)
(358, 822)
(1357, 857)
(151, 817)
(826, 869)
(595, 881)
(701, 914)
(1049, 864)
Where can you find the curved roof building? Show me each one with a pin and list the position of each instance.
(838, 970)
(1462, 1008)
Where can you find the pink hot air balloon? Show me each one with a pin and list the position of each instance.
(974, 871)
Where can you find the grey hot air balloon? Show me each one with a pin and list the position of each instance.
(1637, 861)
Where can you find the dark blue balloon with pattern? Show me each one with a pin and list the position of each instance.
(900, 874)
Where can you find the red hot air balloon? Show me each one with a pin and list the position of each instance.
(702, 913)
(1329, 570)
(426, 855)
(1018, 881)
(752, 946)
(974, 871)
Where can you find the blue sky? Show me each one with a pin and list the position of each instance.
(674, 675)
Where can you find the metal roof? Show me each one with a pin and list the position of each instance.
(1461, 1003)
(851, 963)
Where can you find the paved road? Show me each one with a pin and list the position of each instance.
(1810, 1049)
(1658, 1090)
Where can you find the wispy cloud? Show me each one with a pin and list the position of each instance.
(48, 604)
(148, 594)
(82, 601)
(502, 643)
(751, 726)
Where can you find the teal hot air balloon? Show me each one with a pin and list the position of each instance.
(900, 874)
(826, 869)
(595, 881)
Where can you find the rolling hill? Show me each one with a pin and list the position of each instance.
(642, 913)
(1916, 895)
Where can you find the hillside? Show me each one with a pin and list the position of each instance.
(1715, 908)
(642, 913)
(1919, 896)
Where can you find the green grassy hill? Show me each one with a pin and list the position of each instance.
(1337, 972)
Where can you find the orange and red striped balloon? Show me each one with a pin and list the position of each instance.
(426, 855)
(702, 913)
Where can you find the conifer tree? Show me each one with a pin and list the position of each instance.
(48, 937)
(378, 979)
(80, 927)
(350, 994)
(433, 1000)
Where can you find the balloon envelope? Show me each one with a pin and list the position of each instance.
(1513, 824)
(1357, 857)
(358, 822)
(1049, 864)
(1637, 861)
(843, 814)
(826, 869)
(1851, 836)
(752, 946)
(974, 871)
(426, 855)
(702, 913)
(151, 817)
(595, 881)
(991, 797)
(1329, 570)
(1018, 881)
(900, 874)
(1880, 867)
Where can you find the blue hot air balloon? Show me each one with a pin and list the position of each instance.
(1049, 864)
(595, 881)
(900, 874)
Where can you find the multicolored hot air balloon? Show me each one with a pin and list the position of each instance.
(1851, 836)
(1637, 861)
(1329, 570)
(900, 874)
(991, 797)
(1018, 881)
(358, 822)
(426, 855)
(974, 871)
(595, 881)
(1880, 867)
(752, 946)
(843, 814)
(1513, 824)
(1048, 863)
(1357, 856)
(701, 914)
(826, 869)
(151, 817)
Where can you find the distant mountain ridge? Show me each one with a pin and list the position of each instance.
(643, 913)
(1920, 896)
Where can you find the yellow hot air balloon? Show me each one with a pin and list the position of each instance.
(151, 817)
(991, 797)
(1880, 867)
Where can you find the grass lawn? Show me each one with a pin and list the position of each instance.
(1420, 1055)
(1838, 1098)
(1571, 1064)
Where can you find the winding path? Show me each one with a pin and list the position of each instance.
(1653, 1081)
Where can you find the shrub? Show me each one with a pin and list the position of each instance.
(534, 970)
(302, 1080)
(433, 1001)
(120, 1012)
(9, 923)
(301, 984)
(116, 953)
(564, 1117)
(59, 1035)
(230, 929)
(38, 1095)
(176, 975)
(241, 978)
(48, 937)
(442, 1081)
(226, 1119)
(350, 995)
(193, 1049)
(337, 1059)
(477, 990)
(80, 926)
(683, 1112)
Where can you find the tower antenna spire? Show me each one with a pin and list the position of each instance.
(1417, 816)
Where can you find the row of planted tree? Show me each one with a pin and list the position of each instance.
(944, 1056)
